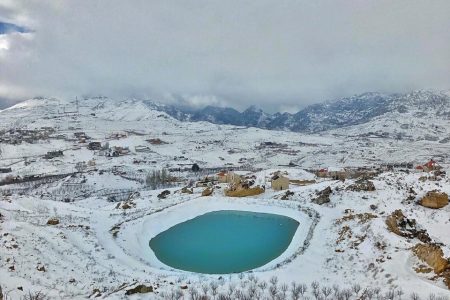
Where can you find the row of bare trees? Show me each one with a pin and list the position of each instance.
(255, 289)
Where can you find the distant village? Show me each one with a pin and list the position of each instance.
(239, 182)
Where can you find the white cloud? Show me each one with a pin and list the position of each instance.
(270, 53)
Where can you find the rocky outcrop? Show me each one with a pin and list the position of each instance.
(402, 226)
(40, 268)
(362, 185)
(361, 218)
(287, 195)
(53, 221)
(323, 196)
(140, 289)
(244, 192)
(163, 194)
(433, 256)
(434, 199)
(186, 190)
(125, 205)
(207, 192)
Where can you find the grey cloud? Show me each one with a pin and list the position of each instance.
(274, 54)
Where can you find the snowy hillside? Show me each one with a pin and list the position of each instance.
(77, 208)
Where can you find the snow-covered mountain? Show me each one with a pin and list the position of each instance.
(358, 109)
(61, 232)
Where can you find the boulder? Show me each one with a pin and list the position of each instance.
(141, 289)
(163, 194)
(323, 196)
(187, 190)
(96, 293)
(53, 221)
(287, 195)
(40, 268)
(125, 205)
(432, 255)
(402, 226)
(207, 192)
(434, 199)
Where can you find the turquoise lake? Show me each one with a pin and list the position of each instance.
(225, 241)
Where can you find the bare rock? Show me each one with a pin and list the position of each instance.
(141, 289)
(187, 190)
(207, 192)
(434, 199)
(125, 205)
(402, 226)
(40, 268)
(164, 194)
(362, 185)
(432, 255)
(287, 195)
(96, 293)
(323, 196)
(53, 221)
(242, 191)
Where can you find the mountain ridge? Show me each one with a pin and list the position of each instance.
(338, 113)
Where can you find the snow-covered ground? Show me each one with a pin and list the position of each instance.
(100, 247)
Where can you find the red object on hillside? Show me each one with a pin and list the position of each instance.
(323, 170)
(419, 168)
(430, 164)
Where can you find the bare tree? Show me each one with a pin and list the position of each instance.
(390, 295)
(414, 296)
(178, 294)
(262, 285)
(316, 293)
(214, 286)
(205, 289)
(251, 291)
(192, 292)
(284, 288)
(158, 178)
(273, 291)
(303, 288)
(238, 294)
(400, 294)
(368, 293)
(356, 288)
(336, 289)
(347, 293)
(295, 291)
(273, 280)
(326, 291)
(35, 296)
(231, 289)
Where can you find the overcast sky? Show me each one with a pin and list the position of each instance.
(279, 55)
